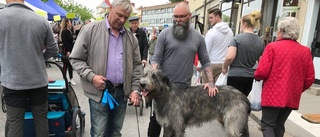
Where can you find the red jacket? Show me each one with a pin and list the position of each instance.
(287, 70)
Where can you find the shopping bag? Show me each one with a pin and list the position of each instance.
(197, 78)
(222, 80)
(255, 99)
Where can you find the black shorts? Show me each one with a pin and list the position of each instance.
(20, 98)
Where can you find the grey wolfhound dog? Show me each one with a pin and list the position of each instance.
(177, 108)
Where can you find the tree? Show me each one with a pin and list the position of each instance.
(71, 6)
(175, 0)
(225, 18)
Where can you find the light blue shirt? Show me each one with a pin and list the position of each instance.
(115, 57)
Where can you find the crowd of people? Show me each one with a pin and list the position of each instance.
(105, 50)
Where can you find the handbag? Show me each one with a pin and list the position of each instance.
(222, 80)
(255, 98)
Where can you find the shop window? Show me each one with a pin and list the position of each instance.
(290, 2)
(230, 13)
(290, 8)
(251, 5)
(226, 11)
(161, 21)
(168, 20)
(163, 10)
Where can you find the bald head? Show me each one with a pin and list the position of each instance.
(182, 7)
(181, 12)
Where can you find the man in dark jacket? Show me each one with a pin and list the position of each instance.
(141, 36)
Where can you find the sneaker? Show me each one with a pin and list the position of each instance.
(72, 82)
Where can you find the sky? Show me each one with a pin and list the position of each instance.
(92, 4)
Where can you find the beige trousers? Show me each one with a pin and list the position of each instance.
(216, 70)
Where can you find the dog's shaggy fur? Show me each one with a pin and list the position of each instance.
(177, 108)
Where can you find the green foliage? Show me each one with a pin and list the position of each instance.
(71, 6)
(225, 18)
(175, 0)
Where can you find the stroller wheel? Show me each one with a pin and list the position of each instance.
(77, 123)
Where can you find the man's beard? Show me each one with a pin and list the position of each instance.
(180, 31)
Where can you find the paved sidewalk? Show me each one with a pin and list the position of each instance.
(295, 125)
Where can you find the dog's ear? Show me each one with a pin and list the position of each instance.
(161, 77)
(165, 79)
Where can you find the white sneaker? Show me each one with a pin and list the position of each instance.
(72, 82)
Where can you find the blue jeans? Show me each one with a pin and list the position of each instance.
(106, 122)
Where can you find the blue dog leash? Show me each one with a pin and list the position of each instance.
(108, 99)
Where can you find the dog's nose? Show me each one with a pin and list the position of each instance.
(143, 85)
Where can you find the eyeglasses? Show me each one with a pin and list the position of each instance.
(180, 16)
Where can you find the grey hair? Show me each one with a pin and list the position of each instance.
(124, 4)
(290, 28)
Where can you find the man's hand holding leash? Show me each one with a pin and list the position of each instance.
(99, 82)
(135, 98)
(144, 63)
